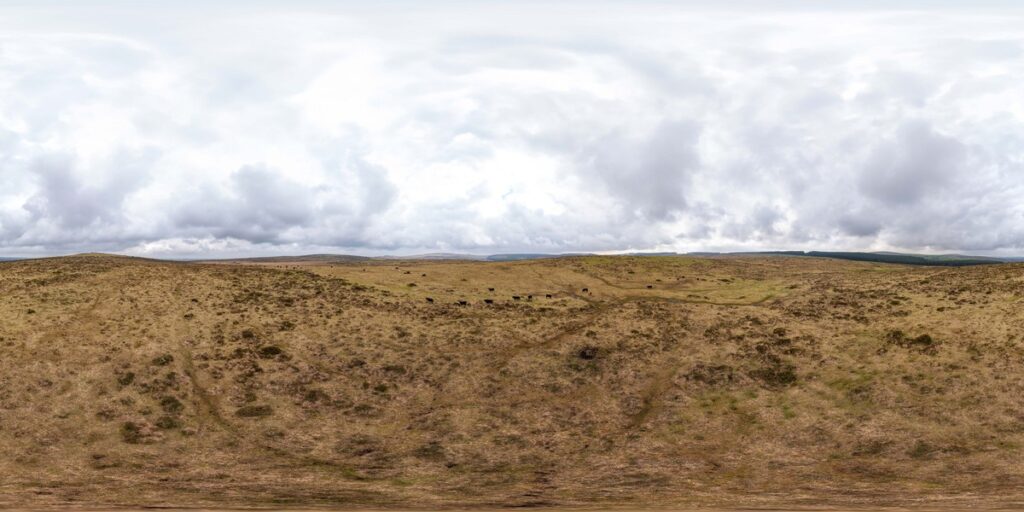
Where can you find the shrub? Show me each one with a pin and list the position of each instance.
(171, 404)
(131, 432)
(270, 351)
(126, 378)
(923, 343)
(254, 411)
(588, 352)
(711, 374)
(163, 360)
(168, 422)
(775, 375)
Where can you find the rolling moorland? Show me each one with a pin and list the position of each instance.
(600, 381)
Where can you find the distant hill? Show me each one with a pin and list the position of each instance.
(530, 256)
(651, 254)
(947, 260)
(436, 256)
(308, 258)
(943, 260)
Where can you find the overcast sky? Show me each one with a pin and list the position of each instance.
(244, 128)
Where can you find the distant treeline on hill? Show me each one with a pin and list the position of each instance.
(905, 259)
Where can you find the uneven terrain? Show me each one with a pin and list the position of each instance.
(596, 381)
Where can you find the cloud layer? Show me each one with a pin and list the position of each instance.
(244, 128)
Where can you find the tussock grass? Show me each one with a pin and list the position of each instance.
(670, 380)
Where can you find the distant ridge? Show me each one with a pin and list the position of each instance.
(311, 258)
(942, 260)
(938, 260)
(531, 256)
(435, 256)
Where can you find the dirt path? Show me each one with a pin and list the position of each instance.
(659, 382)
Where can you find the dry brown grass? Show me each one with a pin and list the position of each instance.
(685, 381)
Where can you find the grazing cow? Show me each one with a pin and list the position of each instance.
(463, 303)
(516, 297)
(649, 287)
(423, 275)
(548, 296)
(490, 289)
(586, 290)
(529, 297)
(430, 300)
(488, 301)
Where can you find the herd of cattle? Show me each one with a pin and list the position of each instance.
(514, 297)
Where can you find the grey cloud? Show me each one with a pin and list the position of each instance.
(260, 206)
(916, 162)
(765, 219)
(762, 224)
(859, 225)
(649, 175)
(269, 200)
(64, 200)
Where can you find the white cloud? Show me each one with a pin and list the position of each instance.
(241, 128)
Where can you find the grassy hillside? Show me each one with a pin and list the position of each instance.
(769, 381)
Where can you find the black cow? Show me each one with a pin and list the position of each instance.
(430, 300)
